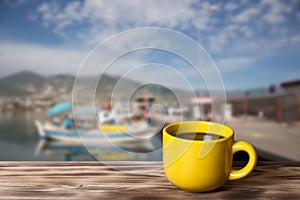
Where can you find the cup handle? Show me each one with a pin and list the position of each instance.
(248, 148)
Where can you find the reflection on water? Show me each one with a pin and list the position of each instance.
(19, 140)
(17, 127)
(70, 151)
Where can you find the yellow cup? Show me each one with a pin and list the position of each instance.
(203, 165)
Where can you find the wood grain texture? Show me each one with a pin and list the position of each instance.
(93, 180)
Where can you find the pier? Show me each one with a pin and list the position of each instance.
(94, 180)
(273, 140)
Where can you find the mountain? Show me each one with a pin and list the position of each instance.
(26, 84)
(21, 84)
(61, 81)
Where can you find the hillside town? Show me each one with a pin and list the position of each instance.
(276, 102)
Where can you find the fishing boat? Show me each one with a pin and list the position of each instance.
(103, 130)
(103, 134)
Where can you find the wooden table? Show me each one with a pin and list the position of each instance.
(93, 180)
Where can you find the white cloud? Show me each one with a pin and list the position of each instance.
(218, 41)
(16, 57)
(162, 40)
(238, 33)
(295, 39)
(51, 60)
(100, 19)
(159, 74)
(234, 63)
(46, 60)
(247, 15)
(276, 11)
(258, 28)
(230, 6)
(244, 29)
(138, 12)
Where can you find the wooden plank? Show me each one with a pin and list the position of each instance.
(86, 180)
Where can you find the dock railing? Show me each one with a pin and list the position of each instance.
(278, 107)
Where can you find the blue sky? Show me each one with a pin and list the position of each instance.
(253, 43)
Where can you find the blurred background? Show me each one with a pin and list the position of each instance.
(254, 44)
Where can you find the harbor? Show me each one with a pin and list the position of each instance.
(196, 99)
(98, 137)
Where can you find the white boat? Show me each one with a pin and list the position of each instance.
(105, 134)
(112, 126)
